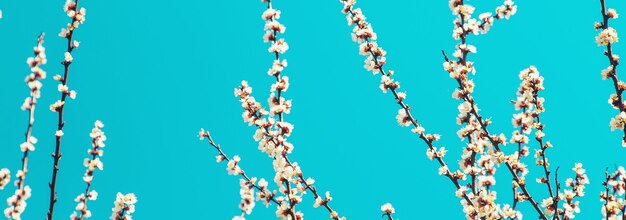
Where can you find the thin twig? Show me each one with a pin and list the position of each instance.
(243, 174)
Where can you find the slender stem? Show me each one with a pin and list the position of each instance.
(558, 188)
(606, 187)
(121, 214)
(519, 157)
(473, 183)
(544, 159)
(243, 173)
(388, 216)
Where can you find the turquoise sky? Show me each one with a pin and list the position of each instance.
(156, 71)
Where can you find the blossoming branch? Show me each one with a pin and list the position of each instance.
(364, 34)
(77, 17)
(17, 202)
(272, 132)
(614, 194)
(607, 37)
(92, 162)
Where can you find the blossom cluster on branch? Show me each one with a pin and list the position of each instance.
(608, 37)
(614, 197)
(17, 202)
(124, 206)
(387, 209)
(92, 162)
(5, 177)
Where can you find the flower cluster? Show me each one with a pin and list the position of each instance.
(247, 196)
(97, 143)
(576, 189)
(32, 80)
(530, 106)
(124, 206)
(5, 177)
(613, 197)
(82, 205)
(233, 166)
(17, 202)
(387, 210)
(77, 16)
(272, 27)
(465, 24)
(607, 37)
(92, 162)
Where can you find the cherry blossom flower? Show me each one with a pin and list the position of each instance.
(607, 36)
(247, 196)
(5, 177)
(17, 202)
(387, 209)
(124, 206)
